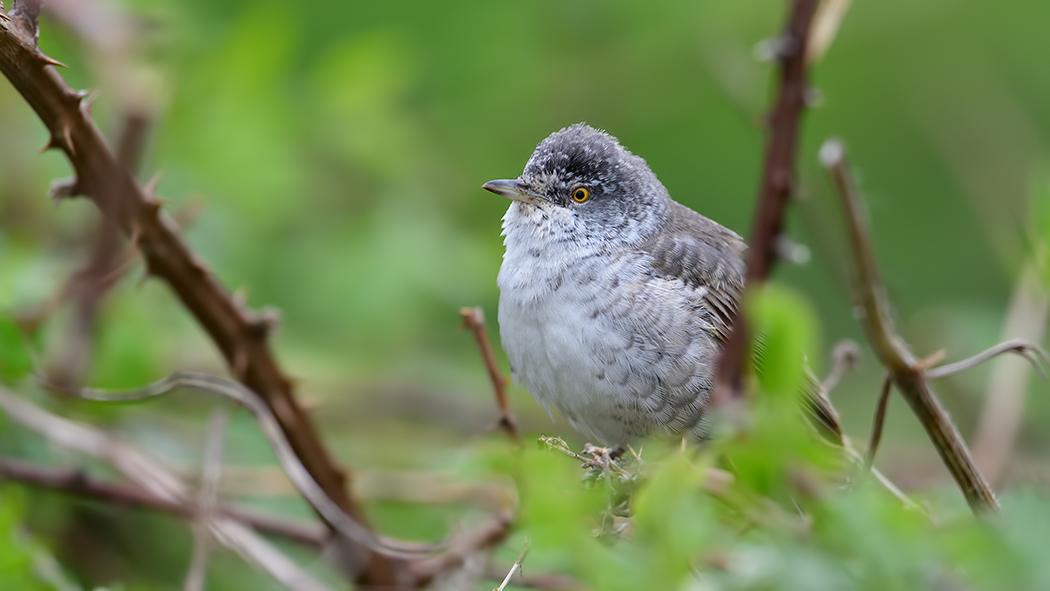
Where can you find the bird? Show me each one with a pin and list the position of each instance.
(615, 300)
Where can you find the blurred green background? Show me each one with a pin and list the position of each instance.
(326, 159)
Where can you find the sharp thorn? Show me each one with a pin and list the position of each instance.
(64, 189)
(263, 323)
(133, 238)
(151, 186)
(67, 135)
(50, 61)
(87, 100)
(240, 297)
(51, 144)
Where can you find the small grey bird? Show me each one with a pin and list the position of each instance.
(615, 300)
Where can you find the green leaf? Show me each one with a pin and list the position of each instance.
(15, 361)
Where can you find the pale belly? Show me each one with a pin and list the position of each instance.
(551, 348)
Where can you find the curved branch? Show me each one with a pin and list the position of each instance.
(1030, 351)
(240, 334)
(474, 320)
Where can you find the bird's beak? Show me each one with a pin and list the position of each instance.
(511, 189)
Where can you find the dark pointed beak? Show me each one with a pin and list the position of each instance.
(511, 189)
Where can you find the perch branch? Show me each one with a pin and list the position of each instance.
(906, 369)
(777, 181)
(474, 320)
(240, 334)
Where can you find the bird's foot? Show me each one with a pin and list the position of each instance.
(601, 458)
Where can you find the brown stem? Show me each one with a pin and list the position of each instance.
(474, 320)
(879, 420)
(76, 482)
(905, 368)
(777, 178)
(240, 334)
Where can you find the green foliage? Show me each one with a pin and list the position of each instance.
(791, 519)
(326, 160)
(15, 361)
(20, 556)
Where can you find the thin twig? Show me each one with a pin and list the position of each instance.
(240, 334)
(481, 539)
(89, 285)
(777, 182)
(879, 420)
(516, 567)
(1031, 352)
(76, 482)
(207, 501)
(845, 356)
(474, 320)
(907, 371)
(550, 582)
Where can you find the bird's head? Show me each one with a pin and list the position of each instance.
(588, 175)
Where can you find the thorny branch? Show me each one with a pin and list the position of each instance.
(240, 334)
(777, 181)
(907, 371)
(474, 320)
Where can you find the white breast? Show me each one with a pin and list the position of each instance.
(550, 287)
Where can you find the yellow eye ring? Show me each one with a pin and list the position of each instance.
(581, 194)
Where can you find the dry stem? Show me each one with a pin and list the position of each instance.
(474, 320)
(906, 369)
(777, 181)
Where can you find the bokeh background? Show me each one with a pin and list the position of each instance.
(326, 159)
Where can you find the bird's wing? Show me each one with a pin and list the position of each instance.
(706, 256)
(710, 257)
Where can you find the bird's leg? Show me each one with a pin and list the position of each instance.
(602, 458)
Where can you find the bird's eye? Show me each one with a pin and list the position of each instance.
(581, 194)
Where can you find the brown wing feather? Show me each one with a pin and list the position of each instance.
(710, 257)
